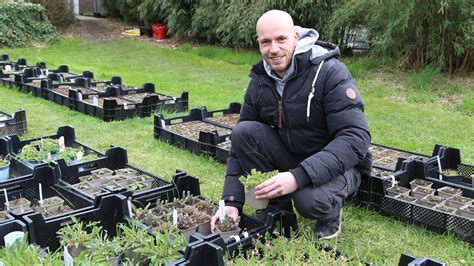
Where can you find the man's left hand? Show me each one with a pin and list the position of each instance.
(277, 186)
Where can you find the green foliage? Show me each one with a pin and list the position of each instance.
(126, 10)
(416, 33)
(59, 12)
(24, 24)
(256, 177)
(228, 224)
(21, 253)
(231, 23)
(77, 234)
(424, 78)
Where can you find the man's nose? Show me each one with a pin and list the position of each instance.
(274, 48)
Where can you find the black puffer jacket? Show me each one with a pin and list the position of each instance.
(333, 132)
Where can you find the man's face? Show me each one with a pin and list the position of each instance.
(277, 42)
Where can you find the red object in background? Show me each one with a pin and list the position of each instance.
(159, 30)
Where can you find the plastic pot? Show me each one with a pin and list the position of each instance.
(5, 172)
(252, 202)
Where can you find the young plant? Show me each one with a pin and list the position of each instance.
(4, 161)
(450, 172)
(104, 249)
(30, 153)
(164, 248)
(228, 224)
(77, 234)
(256, 178)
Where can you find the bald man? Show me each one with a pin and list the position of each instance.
(303, 116)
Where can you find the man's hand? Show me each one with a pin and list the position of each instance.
(277, 186)
(229, 211)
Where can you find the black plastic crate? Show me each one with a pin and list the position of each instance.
(10, 226)
(434, 220)
(194, 142)
(372, 188)
(410, 260)
(388, 158)
(107, 210)
(224, 117)
(13, 125)
(450, 158)
(115, 158)
(12, 145)
(28, 187)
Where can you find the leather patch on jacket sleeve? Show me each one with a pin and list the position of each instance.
(350, 93)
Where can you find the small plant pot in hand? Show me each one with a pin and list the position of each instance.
(421, 192)
(448, 192)
(420, 183)
(397, 190)
(252, 202)
(226, 235)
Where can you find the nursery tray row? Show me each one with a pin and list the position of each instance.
(12, 124)
(108, 100)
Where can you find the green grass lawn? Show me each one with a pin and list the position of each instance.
(405, 110)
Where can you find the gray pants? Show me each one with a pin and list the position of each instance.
(259, 146)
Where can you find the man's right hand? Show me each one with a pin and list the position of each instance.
(230, 211)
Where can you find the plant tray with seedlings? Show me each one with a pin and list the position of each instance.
(12, 124)
(387, 158)
(439, 213)
(114, 108)
(62, 145)
(110, 174)
(158, 100)
(186, 131)
(24, 195)
(109, 210)
(453, 172)
(225, 117)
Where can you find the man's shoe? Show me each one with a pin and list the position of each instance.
(328, 229)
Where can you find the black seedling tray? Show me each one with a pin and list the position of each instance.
(225, 117)
(108, 210)
(381, 156)
(115, 158)
(195, 118)
(13, 125)
(433, 219)
(12, 145)
(28, 187)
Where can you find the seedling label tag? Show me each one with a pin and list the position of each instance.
(79, 155)
(62, 145)
(129, 205)
(175, 217)
(95, 101)
(221, 210)
(68, 260)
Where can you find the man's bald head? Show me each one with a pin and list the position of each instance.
(277, 39)
(273, 17)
